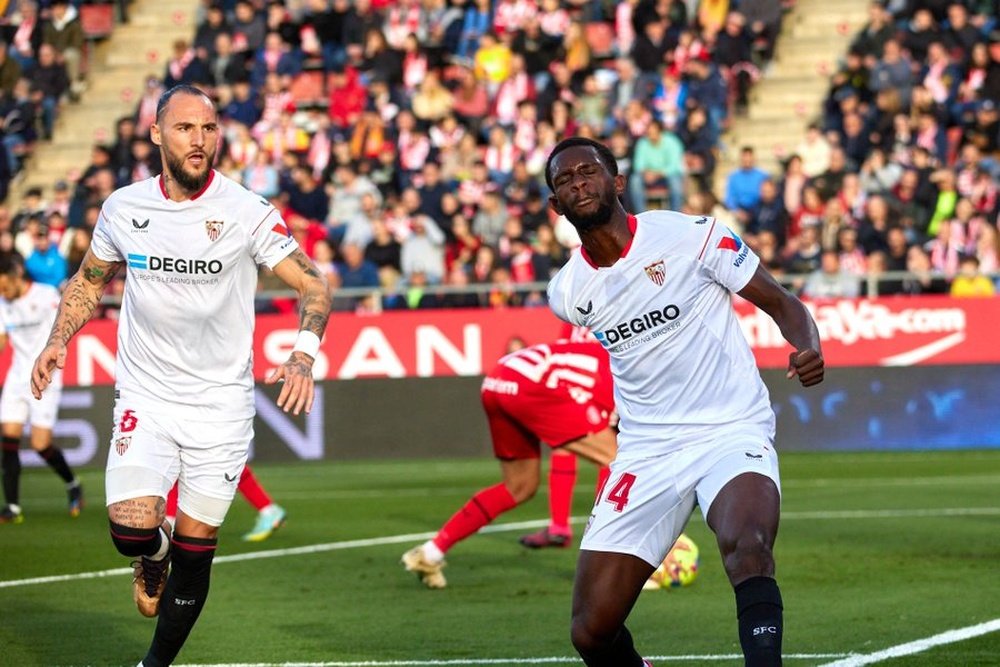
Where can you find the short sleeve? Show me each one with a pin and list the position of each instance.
(270, 239)
(102, 242)
(556, 293)
(727, 257)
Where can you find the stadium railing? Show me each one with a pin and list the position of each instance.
(870, 287)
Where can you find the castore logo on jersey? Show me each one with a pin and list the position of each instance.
(139, 226)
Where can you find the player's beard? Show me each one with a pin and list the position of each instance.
(189, 182)
(587, 221)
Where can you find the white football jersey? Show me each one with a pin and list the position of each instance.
(27, 321)
(185, 334)
(682, 368)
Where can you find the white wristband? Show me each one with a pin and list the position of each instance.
(307, 343)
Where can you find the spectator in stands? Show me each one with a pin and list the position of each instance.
(830, 281)
(262, 178)
(355, 272)
(970, 282)
(64, 33)
(304, 193)
(924, 280)
(10, 70)
(24, 33)
(384, 250)
(658, 161)
(44, 264)
(224, 65)
(491, 217)
(50, 82)
(893, 71)
(248, 28)
(743, 186)
(422, 251)
(18, 116)
(208, 31)
(768, 215)
(345, 201)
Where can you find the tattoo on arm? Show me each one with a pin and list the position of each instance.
(80, 299)
(314, 296)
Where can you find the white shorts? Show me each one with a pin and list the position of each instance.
(18, 406)
(646, 502)
(152, 450)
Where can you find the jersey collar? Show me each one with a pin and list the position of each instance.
(208, 182)
(632, 224)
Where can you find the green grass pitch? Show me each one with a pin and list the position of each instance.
(876, 550)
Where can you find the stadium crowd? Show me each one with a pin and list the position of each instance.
(405, 141)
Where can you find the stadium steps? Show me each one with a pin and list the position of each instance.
(814, 39)
(117, 70)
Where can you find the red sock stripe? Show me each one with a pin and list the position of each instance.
(188, 546)
(133, 538)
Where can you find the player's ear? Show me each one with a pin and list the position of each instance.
(620, 184)
(154, 134)
(554, 203)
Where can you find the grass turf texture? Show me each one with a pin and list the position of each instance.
(852, 583)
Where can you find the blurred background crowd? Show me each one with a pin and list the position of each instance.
(405, 141)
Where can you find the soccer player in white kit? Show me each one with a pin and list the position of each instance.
(696, 422)
(27, 310)
(191, 241)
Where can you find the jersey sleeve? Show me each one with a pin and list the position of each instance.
(102, 242)
(270, 239)
(558, 297)
(727, 258)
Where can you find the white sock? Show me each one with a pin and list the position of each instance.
(164, 547)
(266, 508)
(16, 509)
(432, 552)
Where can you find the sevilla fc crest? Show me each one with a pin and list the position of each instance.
(214, 229)
(657, 272)
(121, 445)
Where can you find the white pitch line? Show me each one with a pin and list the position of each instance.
(920, 645)
(555, 660)
(499, 528)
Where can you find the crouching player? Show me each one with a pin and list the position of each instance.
(558, 393)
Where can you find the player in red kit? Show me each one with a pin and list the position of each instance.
(558, 393)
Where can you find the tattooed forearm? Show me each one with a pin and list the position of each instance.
(80, 299)
(315, 307)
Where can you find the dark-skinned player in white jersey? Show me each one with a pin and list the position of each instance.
(696, 425)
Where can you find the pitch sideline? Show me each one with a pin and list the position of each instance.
(497, 528)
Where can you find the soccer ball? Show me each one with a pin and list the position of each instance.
(679, 568)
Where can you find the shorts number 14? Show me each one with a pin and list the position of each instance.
(618, 495)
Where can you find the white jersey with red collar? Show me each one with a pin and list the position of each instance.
(27, 322)
(185, 335)
(682, 368)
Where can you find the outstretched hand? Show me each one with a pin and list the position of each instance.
(808, 365)
(52, 358)
(298, 389)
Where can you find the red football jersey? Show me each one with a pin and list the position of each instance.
(554, 393)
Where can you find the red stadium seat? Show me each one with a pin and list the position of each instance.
(601, 38)
(97, 21)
